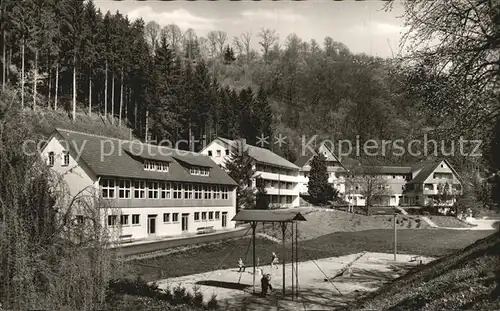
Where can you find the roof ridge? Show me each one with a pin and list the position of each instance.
(128, 140)
(90, 134)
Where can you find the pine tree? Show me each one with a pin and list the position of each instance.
(229, 55)
(240, 168)
(203, 97)
(261, 197)
(72, 30)
(319, 189)
(263, 113)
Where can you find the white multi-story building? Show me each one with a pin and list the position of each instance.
(422, 184)
(418, 185)
(279, 176)
(148, 190)
(336, 171)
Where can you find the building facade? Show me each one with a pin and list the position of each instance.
(425, 184)
(434, 183)
(146, 190)
(336, 171)
(280, 177)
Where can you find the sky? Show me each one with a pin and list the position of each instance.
(364, 27)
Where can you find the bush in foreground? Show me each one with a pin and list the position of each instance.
(136, 294)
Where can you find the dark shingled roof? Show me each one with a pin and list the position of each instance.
(269, 216)
(262, 155)
(427, 169)
(122, 158)
(302, 160)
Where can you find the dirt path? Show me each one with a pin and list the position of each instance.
(235, 289)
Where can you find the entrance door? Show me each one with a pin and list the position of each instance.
(151, 224)
(185, 218)
(224, 219)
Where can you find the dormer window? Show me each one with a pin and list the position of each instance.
(65, 158)
(51, 158)
(159, 166)
(198, 170)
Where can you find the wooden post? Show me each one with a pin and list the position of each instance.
(254, 224)
(395, 237)
(296, 260)
(283, 228)
(292, 262)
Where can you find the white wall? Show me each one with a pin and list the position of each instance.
(76, 177)
(140, 231)
(213, 147)
(220, 160)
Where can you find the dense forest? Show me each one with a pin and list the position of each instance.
(166, 83)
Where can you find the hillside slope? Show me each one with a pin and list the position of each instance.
(47, 119)
(324, 221)
(468, 279)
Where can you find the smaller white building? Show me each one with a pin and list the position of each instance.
(280, 177)
(336, 171)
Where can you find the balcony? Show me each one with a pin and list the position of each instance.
(273, 176)
(276, 191)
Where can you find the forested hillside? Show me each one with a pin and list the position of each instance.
(169, 83)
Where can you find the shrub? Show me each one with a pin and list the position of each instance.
(198, 297)
(213, 304)
(179, 294)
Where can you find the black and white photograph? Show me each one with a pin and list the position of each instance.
(249, 155)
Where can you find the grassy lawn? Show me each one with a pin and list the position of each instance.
(329, 221)
(435, 242)
(448, 222)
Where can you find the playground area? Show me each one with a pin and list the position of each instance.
(324, 284)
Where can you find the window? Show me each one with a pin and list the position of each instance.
(218, 153)
(188, 191)
(124, 220)
(148, 165)
(165, 190)
(197, 192)
(208, 192)
(196, 216)
(155, 166)
(79, 219)
(135, 219)
(51, 158)
(227, 152)
(166, 217)
(196, 170)
(124, 189)
(65, 158)
(210, 215)
(205, 171)
(289, 199)
(177, 188)
(108, 188)
(139, 189)
(209, 153)
(204, 216)
(224, 193)
(216, 190)
(175, 217)
(162, 166)
(217, 215)
(111, 220)
(153, 190)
